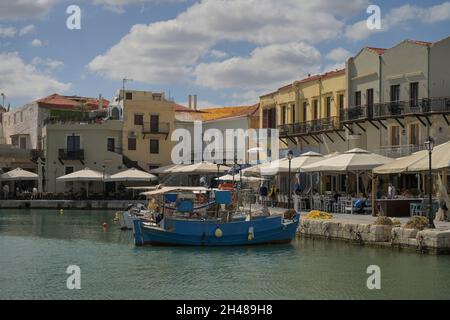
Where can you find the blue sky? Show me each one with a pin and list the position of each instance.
(227, 52)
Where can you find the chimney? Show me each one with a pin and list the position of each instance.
(190, 101)
(100, 102)
(195, 102)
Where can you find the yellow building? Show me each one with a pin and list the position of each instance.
(307, 113)
(148, 123)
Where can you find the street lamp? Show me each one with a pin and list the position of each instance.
(429, 145)
(3, 99)
(290, 156)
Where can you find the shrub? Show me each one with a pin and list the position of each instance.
(417, 222)
(383, 221)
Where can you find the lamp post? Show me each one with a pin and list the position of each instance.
(290, 156)
(3, 100)
(429, 145)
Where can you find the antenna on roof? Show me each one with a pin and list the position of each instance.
(124, 80)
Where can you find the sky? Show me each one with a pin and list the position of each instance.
(228, 52)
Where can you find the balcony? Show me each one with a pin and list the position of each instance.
(399, 151)
(397, 109)
(310, 127)
(64, 154)
(355, 114)
(159, 128)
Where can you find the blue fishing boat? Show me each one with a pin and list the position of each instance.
(225, 229)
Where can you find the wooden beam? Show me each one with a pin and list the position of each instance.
(317, 139)
(281, 139)
(446, 119)
(329, 137)
(372, 123)
(400, 123)
(293, 140)
(421, 120)
(339, 134)
(348, 128)
(361, 127)
(301, 137)
(382, 124)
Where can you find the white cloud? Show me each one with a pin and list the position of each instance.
(48, 65)
(118, 5)
(399, 17)
(7, 32)
(27, 29)
(217, 54)
(339, 55)
(201, 104)
(37, 43)
(171, 50)
(266, 67)
(24, 9)
(25, 80)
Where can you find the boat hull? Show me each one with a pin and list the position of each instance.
(267, 230)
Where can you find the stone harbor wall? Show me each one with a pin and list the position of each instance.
(427, 241)
(67, 204)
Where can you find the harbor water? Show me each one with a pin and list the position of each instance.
(37, 246)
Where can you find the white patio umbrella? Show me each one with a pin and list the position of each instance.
(200, 168)
(165, 170)
(401, 165)
(84, 175)
(355, 160)
(19, 174)
(440, 159)
(237, 177)
(133, 175)
(282, 165)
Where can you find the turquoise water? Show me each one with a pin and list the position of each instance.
(36, 247)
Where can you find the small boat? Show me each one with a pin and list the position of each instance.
(226, 228)
(140, 211)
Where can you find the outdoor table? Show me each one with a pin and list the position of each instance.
(399, 207)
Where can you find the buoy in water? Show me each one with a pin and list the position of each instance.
(218, 233)
(251, 234)
(61, 211)
(105, 225)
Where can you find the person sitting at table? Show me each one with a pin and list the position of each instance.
(360, 204)
(406, 193)
(392, 192)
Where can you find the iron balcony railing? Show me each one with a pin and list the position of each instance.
(152, 128)
(396, 109)
(65, 154)
(309, 127)
(399, 151)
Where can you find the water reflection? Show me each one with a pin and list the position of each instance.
(38, 245)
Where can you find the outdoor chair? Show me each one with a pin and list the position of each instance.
(348, 206)
(415, 209)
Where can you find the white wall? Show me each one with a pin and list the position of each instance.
(440, 69)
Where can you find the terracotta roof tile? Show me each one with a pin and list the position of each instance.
(222, 113)
(378, 51)
(56, 101)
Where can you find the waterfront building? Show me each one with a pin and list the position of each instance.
(22, 127)
(398, 97)
(2, 139)
(71, 146)
(307, 112)
(148, 123)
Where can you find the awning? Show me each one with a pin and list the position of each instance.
(352, 160)
(19, 175)
(132, 175)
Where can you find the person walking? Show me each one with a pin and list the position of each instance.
(6, 192)
(273, 194)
